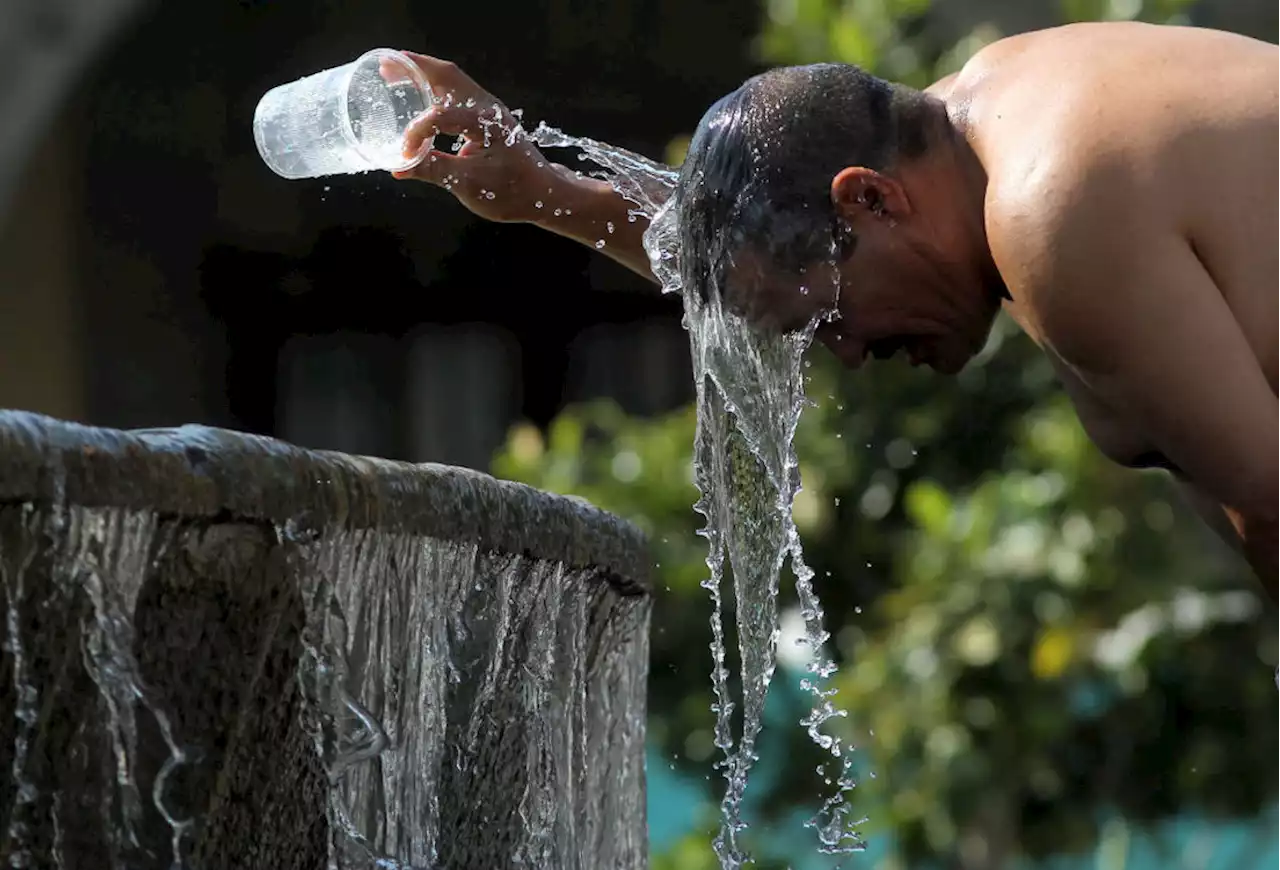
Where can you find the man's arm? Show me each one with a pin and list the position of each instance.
(1128, 304)
(503, 177)
(590, 211)
(1213, 514)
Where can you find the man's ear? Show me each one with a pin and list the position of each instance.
(860, 194)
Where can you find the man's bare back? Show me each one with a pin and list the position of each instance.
(1110, 145)
(1185, 120)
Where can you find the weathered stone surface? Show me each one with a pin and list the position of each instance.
(200, 569)
(197, 471)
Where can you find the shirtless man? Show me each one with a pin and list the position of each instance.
(1112, 186)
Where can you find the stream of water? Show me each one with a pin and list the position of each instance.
(750, 395)
(446, 682)
(436, 681)
(468, 708)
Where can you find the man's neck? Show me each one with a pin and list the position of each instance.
(953, 177)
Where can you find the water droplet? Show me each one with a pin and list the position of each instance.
(538, 204)
(599, 244)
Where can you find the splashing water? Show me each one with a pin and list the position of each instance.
(750, 394)
(412, 649)
(406, 642)
(105, 551)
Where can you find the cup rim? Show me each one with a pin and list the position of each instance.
(419, 80)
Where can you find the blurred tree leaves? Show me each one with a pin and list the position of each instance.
(1030, 636)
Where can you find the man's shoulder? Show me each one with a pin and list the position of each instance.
(1057, 203)
(1064, 230)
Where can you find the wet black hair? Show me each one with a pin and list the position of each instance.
(759, 167)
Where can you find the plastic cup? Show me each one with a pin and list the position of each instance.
(343, 120)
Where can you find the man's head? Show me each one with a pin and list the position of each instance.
(825, 188)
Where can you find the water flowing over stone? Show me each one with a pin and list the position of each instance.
(222, 651)
(750, 395)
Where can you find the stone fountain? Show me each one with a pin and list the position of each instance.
(222, 651)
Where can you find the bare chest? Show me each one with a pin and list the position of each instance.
(1118, 437)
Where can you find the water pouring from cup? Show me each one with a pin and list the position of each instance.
(343, 120)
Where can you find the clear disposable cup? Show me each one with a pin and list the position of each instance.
(347, 119)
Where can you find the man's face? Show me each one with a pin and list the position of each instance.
(873, 304)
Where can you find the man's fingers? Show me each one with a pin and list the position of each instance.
(450, 120)
(459, 119)
(449, 85)
(446, 80)
(452, 87)
(420, 129)
(436, 168)
(392, 71)
(441, 74)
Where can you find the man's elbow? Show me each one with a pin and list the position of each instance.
(1258, 534)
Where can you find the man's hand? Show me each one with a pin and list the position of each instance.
(497, 173)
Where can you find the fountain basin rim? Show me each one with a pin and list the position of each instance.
(200, 471)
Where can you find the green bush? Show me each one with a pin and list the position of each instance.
(1030, 637)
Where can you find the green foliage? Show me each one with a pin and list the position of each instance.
(1029, 636)
(904, 41)
(1041, 633)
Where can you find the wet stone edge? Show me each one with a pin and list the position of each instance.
(199, 471)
